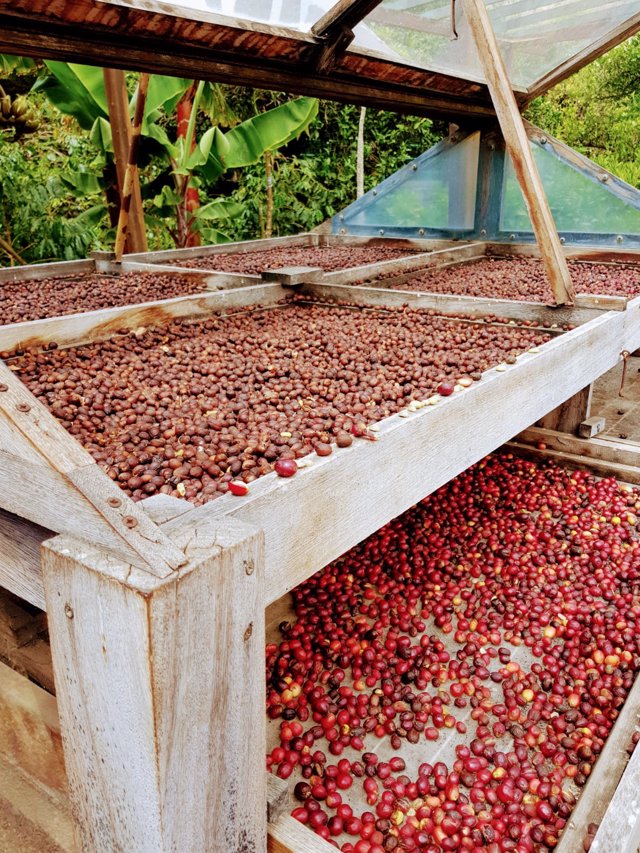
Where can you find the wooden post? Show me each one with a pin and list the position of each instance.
(160, 689)
(569, 416)
(517, 144)
(118, 102)
(131, 172)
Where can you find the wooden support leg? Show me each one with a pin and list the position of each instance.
(569, 416)
(160, 686)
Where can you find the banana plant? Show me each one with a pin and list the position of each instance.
(192, 164)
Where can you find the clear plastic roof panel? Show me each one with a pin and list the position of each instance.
(299, 15)
(579, 202)
(535, 36)
(435, 192)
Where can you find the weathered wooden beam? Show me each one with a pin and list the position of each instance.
(603, 449)
(519, 150)
(23, 644)
(335, 29)
(118, 103)
(30, 437)
(33, 272)
(160, 688)
(568, 416)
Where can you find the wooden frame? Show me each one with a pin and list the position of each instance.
(166, 614)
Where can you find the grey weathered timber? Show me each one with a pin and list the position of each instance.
(160, 687)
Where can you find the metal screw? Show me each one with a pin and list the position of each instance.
(512, 236)
(421, 232)
(68, 611)
(619, 238)
(563, 240)
(375, 192)
(483, 232)
(249, 567)
(604, 178)
(248, 632)
(114, 502)
(543, 140)
(381, 232)
(414, 168)
(343, 230)
(23, 407)
(130, 521)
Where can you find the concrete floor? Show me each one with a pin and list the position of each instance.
(621, 413)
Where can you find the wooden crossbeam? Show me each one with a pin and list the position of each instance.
(517, 145)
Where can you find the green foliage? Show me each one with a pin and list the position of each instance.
(597, 111)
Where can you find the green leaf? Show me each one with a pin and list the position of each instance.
(168, 197)
(77, 90)
(91, 217)
(162, 96)
(159, 134)
(220, 208)
(82, 182)
(200, 153)
(247, 142)
(9, 63)
(101, 136)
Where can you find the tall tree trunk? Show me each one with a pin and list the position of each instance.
(131, 172)
(188, 234)
(360, 155)
(268, 170)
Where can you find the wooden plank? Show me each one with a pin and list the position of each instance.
(450, 304)
(118, 103)
(569, 415)
(213, 280)
(599, 790)
(596, 254)
(277, 797)
(600, 467)
(114, 518)
(131, 178)
(20, 571)
(76, 329)
(57, 269)
(413, 262)
(287, 835)
(335, 502)
(239, 247)
(604, 449)
(30, 730)
(519, 150)
(23, 643)
(619, 829)
(161, 696)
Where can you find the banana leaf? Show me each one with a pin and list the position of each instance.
(77, 90)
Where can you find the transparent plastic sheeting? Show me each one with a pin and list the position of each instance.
(580, 204)
(437, 191)
(297, 15)
(535, 36)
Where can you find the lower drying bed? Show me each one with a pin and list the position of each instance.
(524, 279)
(186, 408)
(450, 683)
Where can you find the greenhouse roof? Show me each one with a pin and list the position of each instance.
(398, 54)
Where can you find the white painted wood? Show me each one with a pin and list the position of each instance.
(161, 508)
(75, 329)
(415, 262)
(242, 246)
(33, 272)
(599, 467)
(20, 570)
(161, 697)
(621, 810)
(337, 501)
(452, 304)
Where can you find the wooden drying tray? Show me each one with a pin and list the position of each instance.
(162, 625)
